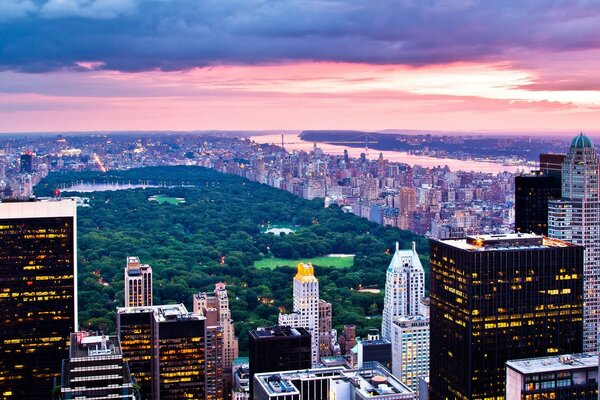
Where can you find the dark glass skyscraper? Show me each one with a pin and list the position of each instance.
(500, 297)
(26, 163)
(532, 193)
(279, 348)
(534, 190)
(38, 302)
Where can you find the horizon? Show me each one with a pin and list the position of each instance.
(141, 65)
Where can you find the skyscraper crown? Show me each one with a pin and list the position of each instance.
(581, 141)
(306, 273)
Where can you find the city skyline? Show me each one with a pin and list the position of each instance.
(174, 65)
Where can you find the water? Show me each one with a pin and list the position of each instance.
(100, 187)
(293, 142)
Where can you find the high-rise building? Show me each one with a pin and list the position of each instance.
(410, 350)
(95, 369)
(215, 376)
(26, 163)
(568, 376)
(165, 349)
(373, 349)
(138, 283)
(325, 325)
(404, 288)
(496, 298)
(38, 294)
(533, 191)
(576, 219)
(219, 301)
(278, 348)
(306, 307)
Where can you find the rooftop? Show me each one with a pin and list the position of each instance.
(400, 256)
(84, 344)
(162, 313)
(581, 141)
(509, 241)
(554, 363)
(278, 331)
(371, 381)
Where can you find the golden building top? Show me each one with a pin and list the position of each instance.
(306, 273)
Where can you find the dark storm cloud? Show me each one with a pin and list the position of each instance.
(136, 35)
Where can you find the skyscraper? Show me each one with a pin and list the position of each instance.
(404, 288)
(533, 191)
(38, 301)
(26, 163)
(219, 301)
(576, 219)
(306, 306)
(496, 298)
(410, 349)
(95, 369)
(278, 348)
(165, 349)
(138, 283)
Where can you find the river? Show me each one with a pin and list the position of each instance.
(293, 142)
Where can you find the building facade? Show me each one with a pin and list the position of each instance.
(95, 369)
(219, 300)
(496, 298)
(306, 307)
(404, 288)
(533, 191)
(410, 350)
(576, 219)
(278, 348)
(165, 347)
(138, 283)
(38, 294)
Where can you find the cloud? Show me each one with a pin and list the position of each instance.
(11, 9)
(143, 35)
(92, 9)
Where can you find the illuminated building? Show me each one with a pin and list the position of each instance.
(38, 302)
(576, 219)
(555, 377)
(404, 288)
(496, 298)
(138, 283)
(371, 381)
(278, 348)
(215, 375)
(165, 349)
(410, 350)
(95, 369)
(306, 306)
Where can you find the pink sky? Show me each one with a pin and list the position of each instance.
(494, 96)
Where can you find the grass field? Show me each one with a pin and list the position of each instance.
(325, 261)
(160, 199)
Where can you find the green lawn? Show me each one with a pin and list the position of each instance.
(160, 199)
(335, 262)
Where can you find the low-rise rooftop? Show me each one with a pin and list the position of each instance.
(554, 363)
(507, 241)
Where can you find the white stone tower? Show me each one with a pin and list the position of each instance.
(404, 288)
